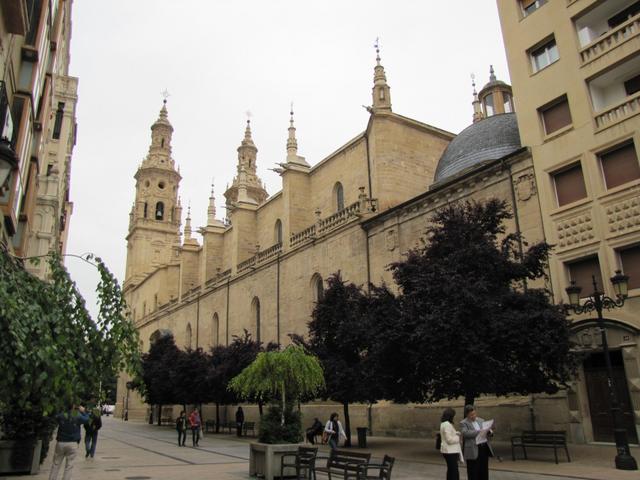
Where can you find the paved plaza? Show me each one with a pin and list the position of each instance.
(138, 451)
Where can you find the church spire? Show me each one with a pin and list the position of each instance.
(292, 144)
(160, 149)
(381, 92)
(187, 225)
(211, 209)
(477, 108)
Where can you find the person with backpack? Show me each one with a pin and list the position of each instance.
(67, 440)
(91, 432)
(181, 427)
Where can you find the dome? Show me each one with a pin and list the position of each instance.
(489, 139)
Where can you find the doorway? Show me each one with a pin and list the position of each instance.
(595, 373)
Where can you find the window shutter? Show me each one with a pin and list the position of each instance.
(569, 185)
(620, 165)
(556, 116)
(630, 259)
(582, 271)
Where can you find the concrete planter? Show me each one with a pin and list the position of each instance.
(264, 458)
(20, 456)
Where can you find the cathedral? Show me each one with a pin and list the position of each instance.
(360, 208)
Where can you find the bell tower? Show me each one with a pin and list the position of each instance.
(154, 221)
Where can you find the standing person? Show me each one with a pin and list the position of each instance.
(91, 432)
(181, 427)
(239, 421)
(334, 430)
(67, 441)
(313, 430)
(450, 443)
(476, 455)
(195, 423)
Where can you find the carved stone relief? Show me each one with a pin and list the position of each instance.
(575, 230)
(525, 186)
(391, 239)
(624, 215)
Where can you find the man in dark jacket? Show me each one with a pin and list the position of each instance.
(239, 421)
(91, 432)
(67, 440)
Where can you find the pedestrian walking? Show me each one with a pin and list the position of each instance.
(195, 423)
(334, 430)
(476, 452)
(239, 421)
(91, 432)
(67, 441)
(450, 444)
(181, 427)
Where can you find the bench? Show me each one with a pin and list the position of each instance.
(384, 470)
(540, 439)
(166, 421)
(303, 463)
(342, 462)
(249, 426)
(210, 426)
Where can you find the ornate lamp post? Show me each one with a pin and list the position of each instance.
(597, 301)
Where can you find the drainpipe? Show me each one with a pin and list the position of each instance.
(278, 300)
(197, 320)
(227, 328)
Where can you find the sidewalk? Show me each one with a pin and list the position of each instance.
(132, 450)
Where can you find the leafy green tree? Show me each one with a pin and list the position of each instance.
(51, 351)
(339, 335)
(286, 375)
(475, 326)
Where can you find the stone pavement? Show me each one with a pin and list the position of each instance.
(137, 451)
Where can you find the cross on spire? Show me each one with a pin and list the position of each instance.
(165, 95)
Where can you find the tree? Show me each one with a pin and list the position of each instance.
(477, 328)
(188, 377)
(286, 375)
(52, 352)
(339, 336)
(158, 366)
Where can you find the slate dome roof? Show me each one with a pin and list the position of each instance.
(489, 139)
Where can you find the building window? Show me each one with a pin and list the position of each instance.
(215, 330)
(556, 115)
(159, 211)
(582, 272)
(630, 262)
(507, 102)
(338, 193)
(620, 165)
(621, 17)
(57, 125)
(255, 307)
(188, 336)
(632, 85)
(317, 287)
(489, 106)
(145, 209)
(277, 232)
(543, 56)
(530, 6)
(569, 185)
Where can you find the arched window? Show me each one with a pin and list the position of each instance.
(338, 195)
(215, 330)
(188, 336)
(317, 287)
(277, 231)
(159, 211)
(255, 309)
(162, 143)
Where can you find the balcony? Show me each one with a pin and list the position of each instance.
(614, 94)
(606, 27)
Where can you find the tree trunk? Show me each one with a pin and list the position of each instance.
(159, 415)
(283, 405)
(151, 415)
(260, 407)
(347, 425)
(217, 417)
(469, 398)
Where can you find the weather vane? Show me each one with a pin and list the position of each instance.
(377, 45)
(165, 94)
(249, 115)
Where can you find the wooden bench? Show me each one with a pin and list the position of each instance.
(303, 463)
(342, 462)
(540, 439)
(384, 470)
(249, 426)
(210, 426)
(166, 421)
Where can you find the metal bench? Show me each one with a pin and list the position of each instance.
(303, 462)
(210, 426)
(540, 439)
(342, 463)
(383, 470)
(249, 426)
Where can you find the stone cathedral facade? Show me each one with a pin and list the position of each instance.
(357, 210)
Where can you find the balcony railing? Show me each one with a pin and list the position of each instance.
(269, 253)
(339, 218)
(626, 109)
(301, 237)
(246, 264)
(610, 40)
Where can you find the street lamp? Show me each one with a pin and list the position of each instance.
(597, 301)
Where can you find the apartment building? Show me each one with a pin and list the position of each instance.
(575, 72)
(37, 126)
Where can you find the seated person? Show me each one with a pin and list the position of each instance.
(313, 430)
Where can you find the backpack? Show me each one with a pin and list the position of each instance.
(438, 441)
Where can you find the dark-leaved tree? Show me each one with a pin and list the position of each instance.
(157, 366)
(189, 377)
(339, 337)
(475, 326)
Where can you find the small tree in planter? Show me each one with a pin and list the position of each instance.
(287, 376)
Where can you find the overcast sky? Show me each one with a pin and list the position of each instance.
(220, 59)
